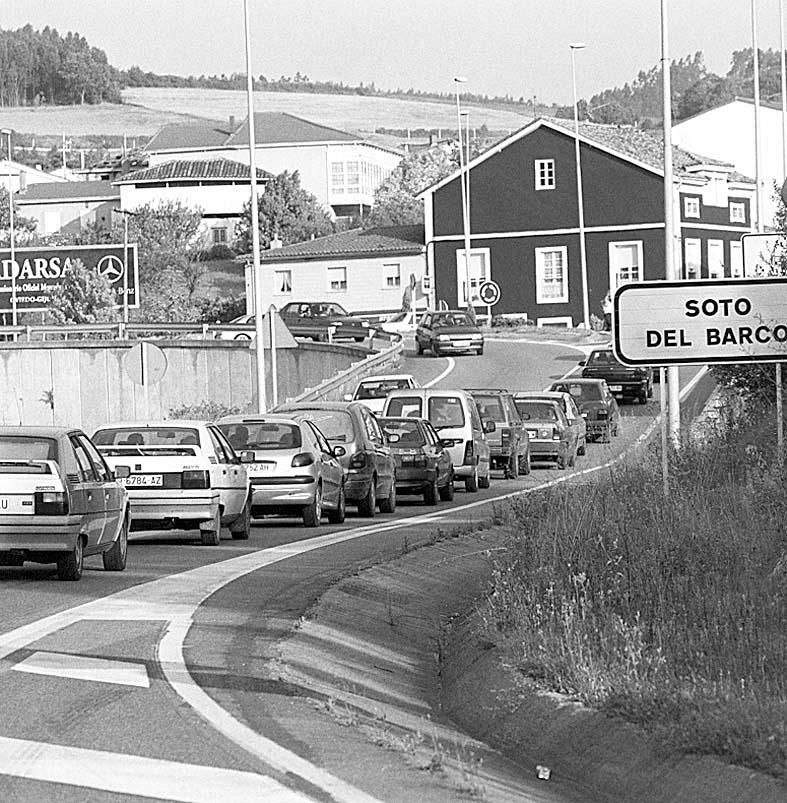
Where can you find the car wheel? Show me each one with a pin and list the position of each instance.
(486, 480)
(419, 349)
(212, 536)
(312, 514)
(431, 493)
(368, 505)
(523, 463)
(606, 435)
(114, 558)
(480, 351)
(650, 391)
(435, 351)
(582, 449)
(560, 463)
(241, 527)
(337, 516)
(69, 566)
(447, 492)
(388, 505)
(643, 398)
(471, 482)
(572, 460)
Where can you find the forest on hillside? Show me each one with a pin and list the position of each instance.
(43, 67)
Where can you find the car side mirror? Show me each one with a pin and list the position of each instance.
(247, 457)
(490, 426)
(582, 362)
(121, 472)
(348, 397)
(339, 451)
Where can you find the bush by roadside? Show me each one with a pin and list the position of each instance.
(668, 612)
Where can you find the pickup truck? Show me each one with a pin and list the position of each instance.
(625, 382)
(179, 475)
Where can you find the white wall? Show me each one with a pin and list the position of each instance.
(212, 199)
(23, 176)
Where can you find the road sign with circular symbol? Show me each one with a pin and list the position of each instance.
(489, 293)
(145, 364)
(111, 267)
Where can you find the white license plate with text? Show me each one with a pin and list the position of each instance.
(616, 388)
(259, 468)
(16, 505)
(143, 481)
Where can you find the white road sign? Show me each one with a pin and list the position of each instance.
(724, 321)
(489, 293)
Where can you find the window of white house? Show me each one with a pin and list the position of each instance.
(219, 234)
(353, 176)
(736, 259)
(625, 263)
(337, 279)
(337, 177)
(392, 276)
(692, 259)
(691, 207)
(480, 271)
(551, 275)
(737, 212)
(545, 174)
(715, 259)
(282, 281)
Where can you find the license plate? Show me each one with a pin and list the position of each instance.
(616, 388)
(462, 344)
(143, 480)
(259, 468)
(16, 505)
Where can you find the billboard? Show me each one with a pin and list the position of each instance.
(37, 273)
(706, 322)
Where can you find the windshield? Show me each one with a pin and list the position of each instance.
(130, 436)
(24, 447)
(408, 431)
(405, 407)
(588, 392)
(336, 425)
(490, 408)
(325, 310)
(379, 389)
(446, 411)
(260, 435)
(537, 411)
(603, 358)
(453, 319)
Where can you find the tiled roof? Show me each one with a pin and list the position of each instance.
(382, 241)
(175, 136)
(69, 191)
(277, 127)
(191, 169)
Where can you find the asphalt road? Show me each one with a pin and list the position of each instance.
(153, 683)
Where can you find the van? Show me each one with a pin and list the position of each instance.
(454, 414)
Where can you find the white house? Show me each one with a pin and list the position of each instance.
(21, 176)
(67, 207)
(340, 169)
(727, 133)
(363, 270)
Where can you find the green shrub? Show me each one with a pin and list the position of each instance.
(203, 411)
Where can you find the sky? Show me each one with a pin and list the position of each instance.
(502, 47)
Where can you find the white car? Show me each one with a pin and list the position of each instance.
(373, 390)
(181, 475)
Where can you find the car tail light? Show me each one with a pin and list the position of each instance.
(51, 503)
(469, 457)
(505, 435)
(196, 479)
(302, 459)
(358, 460)
(556, 434)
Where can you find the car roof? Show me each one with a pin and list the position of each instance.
(296, 406)
(427, 392)
(541, 394)
(161, 424)
(487, 390)
(253, 418)
(380, 377)
(580, 380)
(38, 431)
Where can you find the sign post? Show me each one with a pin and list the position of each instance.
(145, 365)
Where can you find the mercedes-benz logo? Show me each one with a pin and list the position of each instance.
(110, 267)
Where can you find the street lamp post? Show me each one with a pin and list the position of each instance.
(14, 317)
(465, 200)
(583, 262)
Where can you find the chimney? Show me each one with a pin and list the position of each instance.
(232, 123)
(275, 243)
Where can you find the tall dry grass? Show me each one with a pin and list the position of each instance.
(670, 612)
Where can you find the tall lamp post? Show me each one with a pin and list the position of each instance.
(14, 318)
(583, 261)
(262, 401)
(465, 200)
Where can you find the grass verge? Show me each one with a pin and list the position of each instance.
(670, 612)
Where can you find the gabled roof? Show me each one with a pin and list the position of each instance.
(273, 128)
(637, 146)
(177, 136)
(353, 244)
(190, 170)
(68, 191)
(16, 168)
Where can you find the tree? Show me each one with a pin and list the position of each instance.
(24, 227)
(287, 212)
(84, 296)
(395, 201)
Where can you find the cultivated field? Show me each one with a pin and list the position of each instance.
(145, 110)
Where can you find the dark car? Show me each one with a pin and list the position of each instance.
(551, 438)
(423, 464)
(625, 382)
(368, 463)
(323, 320)
(509, 446)
(448, 332)
(596, 404)
(59, 501)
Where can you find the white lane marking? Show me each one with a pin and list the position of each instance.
(175, 599)
(79, 667)
(451, 365)
(136, 775)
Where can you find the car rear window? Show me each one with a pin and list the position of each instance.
(537, 411)
(259, 435)
(453, 319)
(404, 407)
(27, 447)
(163, 436)
(336, 425)
(379, 389)
(490, 408)
(409, 432)
(446, 411)
(601, 358)
(589, 392)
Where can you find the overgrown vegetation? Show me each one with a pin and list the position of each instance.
(203, 411)
(670, 612)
